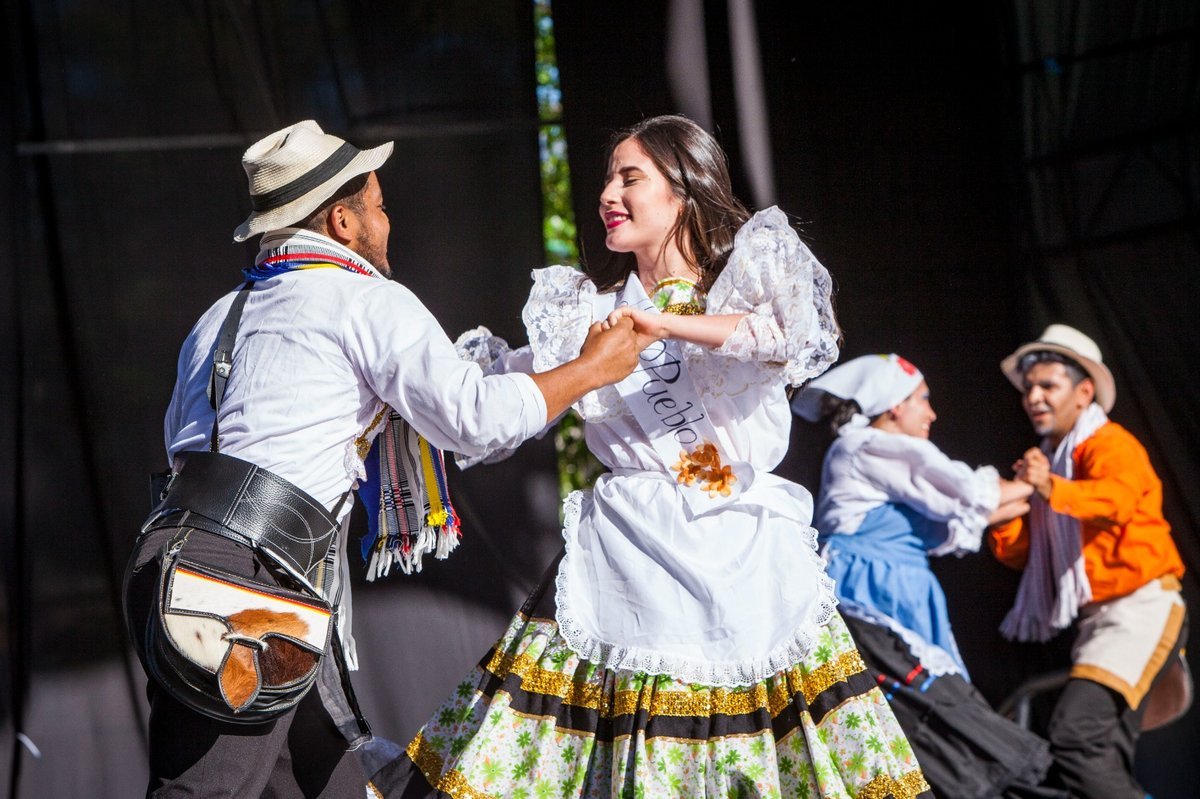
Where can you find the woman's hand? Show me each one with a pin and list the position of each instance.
(1014, 490)
(703, 329)
(1008, 511)
(649, 327)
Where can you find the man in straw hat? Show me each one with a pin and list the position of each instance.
(1097, 556)
(235, 593)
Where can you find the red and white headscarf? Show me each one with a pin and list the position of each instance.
(875, 382)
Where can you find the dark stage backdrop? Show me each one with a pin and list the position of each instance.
(968, 174)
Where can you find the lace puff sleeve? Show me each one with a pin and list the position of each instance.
(785, 292)
(557, 317)
(492, 353)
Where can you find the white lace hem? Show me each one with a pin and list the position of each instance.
(726, 674)
(937, 661)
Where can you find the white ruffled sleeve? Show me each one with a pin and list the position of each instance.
(492, 353)
(915, 472)
(557, 317)
(786, 294)
(494, 357)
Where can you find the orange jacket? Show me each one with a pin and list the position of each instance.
(1117, 497)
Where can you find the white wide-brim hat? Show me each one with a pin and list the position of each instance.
(876, 382)
(1067, 341)
(294, 170)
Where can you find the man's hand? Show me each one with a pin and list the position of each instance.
(1034, 468)
(611, 350)
(607, 356)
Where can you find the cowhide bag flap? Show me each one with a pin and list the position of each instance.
(232, 648)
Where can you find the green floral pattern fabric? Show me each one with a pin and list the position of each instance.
(536, 722)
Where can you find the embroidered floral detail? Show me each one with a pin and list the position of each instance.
(704, 465)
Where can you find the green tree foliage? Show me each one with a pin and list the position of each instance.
(577, 468)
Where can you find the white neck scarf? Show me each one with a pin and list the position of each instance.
(1055, 584)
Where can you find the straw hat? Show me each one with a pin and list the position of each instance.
(1070, 342)
(294, 170)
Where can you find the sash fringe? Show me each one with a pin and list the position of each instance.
(412, 476)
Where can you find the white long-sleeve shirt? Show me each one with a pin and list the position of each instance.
(317, 353)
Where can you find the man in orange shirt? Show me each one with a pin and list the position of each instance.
(1098, 558)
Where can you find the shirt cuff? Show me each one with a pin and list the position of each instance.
(535, 419)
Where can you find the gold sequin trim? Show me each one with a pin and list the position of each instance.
(823, 678)
(774, 695)
(684, 309)
(430, 762)
(885, 786)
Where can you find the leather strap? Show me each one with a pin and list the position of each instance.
(223, 359)
(234, 498)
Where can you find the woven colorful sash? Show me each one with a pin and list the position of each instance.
(409, 513)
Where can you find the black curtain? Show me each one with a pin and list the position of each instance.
(968, 173)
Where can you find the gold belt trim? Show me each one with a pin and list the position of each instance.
(774, 695)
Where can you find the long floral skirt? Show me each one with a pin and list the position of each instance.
(534, 721)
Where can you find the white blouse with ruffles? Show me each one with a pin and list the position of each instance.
(866, 467)
(726, 597)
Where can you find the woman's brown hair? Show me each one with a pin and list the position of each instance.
(698, 171)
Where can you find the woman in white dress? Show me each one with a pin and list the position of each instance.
(890, 499)
(686, 642)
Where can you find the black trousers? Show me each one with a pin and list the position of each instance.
(965, 748)
(304, 753)
(1093, 733)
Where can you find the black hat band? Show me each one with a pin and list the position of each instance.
(277, 198)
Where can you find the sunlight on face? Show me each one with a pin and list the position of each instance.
(637, 205)
(371, 241)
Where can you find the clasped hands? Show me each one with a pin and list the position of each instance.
(649, 327)
(1034, 468)
(612, 344)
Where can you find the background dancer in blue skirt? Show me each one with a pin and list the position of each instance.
(889, 500)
